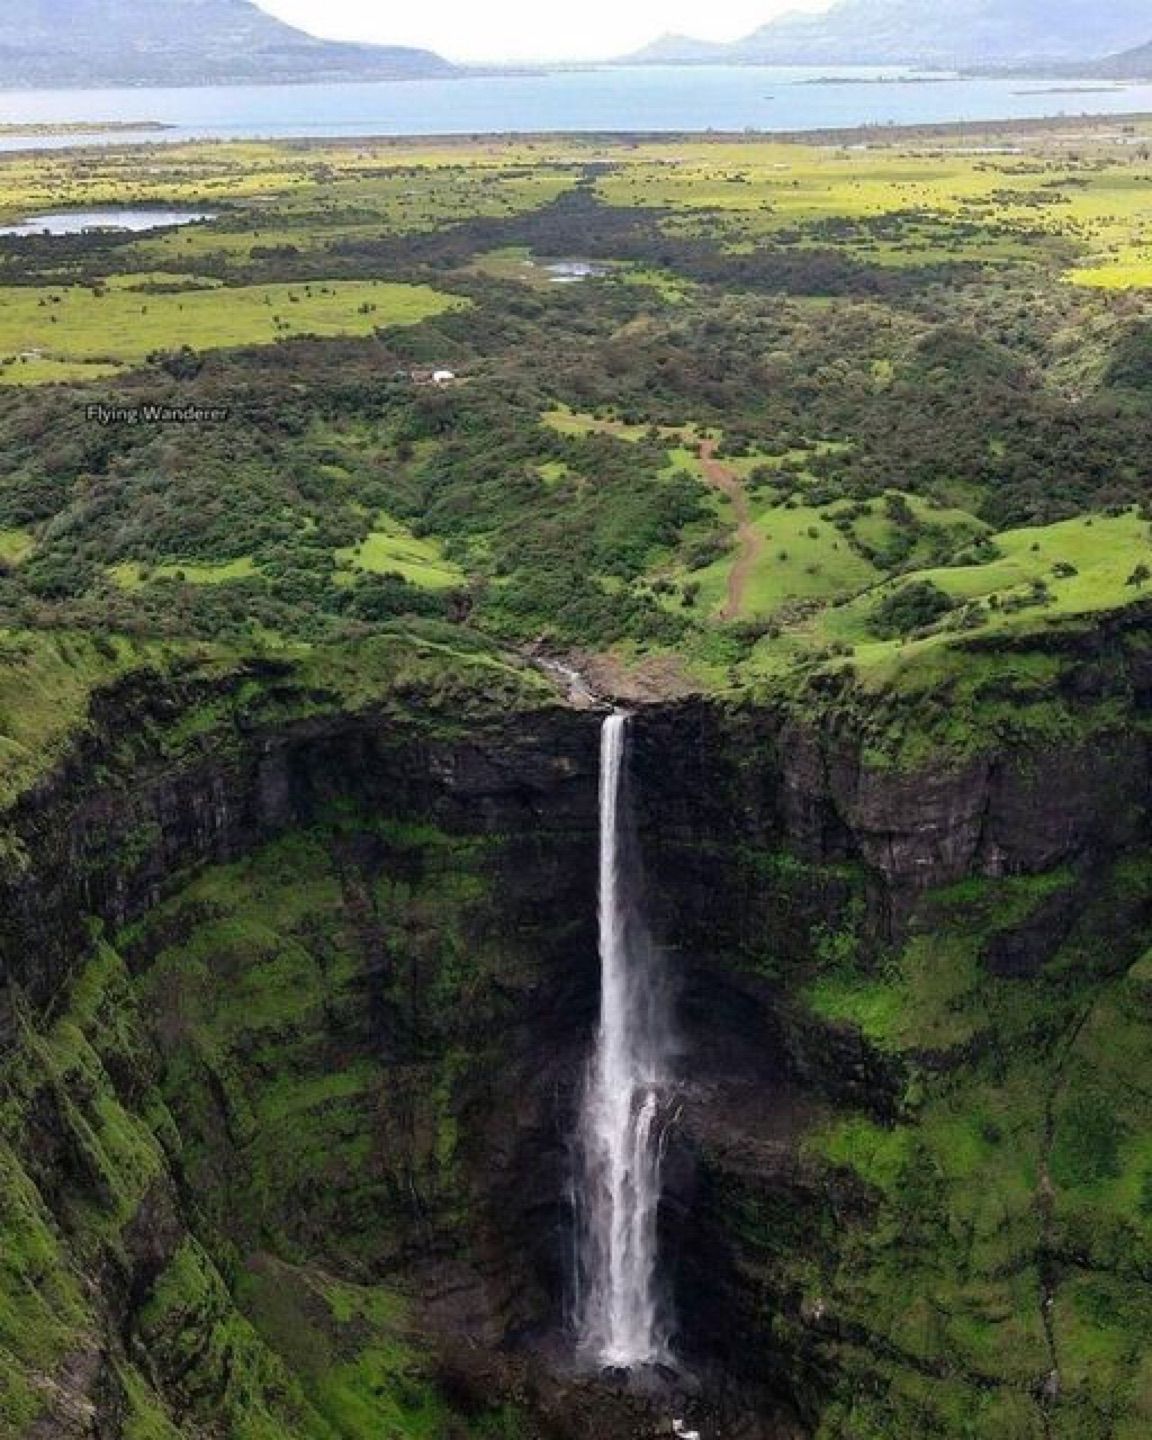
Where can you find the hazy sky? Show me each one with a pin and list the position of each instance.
(530, 29)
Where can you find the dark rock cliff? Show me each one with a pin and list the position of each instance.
(794, 881)
(106, 834)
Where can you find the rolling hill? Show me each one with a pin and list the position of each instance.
(1129, 65)
(181, 42)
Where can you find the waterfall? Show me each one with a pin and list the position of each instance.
(618, 1314)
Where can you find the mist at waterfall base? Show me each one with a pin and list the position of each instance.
(620, 1313)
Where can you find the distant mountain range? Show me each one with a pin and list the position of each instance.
(196, 42)
(1131, 65)
(920, 32)
(181, 42)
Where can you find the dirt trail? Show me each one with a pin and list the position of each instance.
(726, 480)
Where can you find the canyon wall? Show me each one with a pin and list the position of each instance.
(296, 1000)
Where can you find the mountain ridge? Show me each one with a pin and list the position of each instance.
(1135, 64)
(181, 42)
(967, 32)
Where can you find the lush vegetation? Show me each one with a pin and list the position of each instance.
(273, 1320)
(859, 427)
(137, 316)
(802, 382)
(1011, 1222)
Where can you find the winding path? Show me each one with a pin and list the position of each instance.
(721, 477)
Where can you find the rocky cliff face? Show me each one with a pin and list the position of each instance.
(898, 985)
(296, 1001)
(383, 923)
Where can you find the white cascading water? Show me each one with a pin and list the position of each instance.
(618, 1314)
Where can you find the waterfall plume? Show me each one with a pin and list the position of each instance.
(619, 1318)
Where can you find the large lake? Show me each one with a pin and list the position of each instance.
(659, 98)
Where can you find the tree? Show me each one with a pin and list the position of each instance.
(911, 608)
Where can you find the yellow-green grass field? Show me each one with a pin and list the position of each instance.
(875, 530)
(796, 553)
(1074, 193)
(71, 326)
(232, 243)
(148, 281)
(15, 545)
(407, 184)
(1130, 269)
(512, 262)
(580, 423)
(34, 369)
(1005, 199)
(391, 548)
(801, 557)
(1104, 550)
(357, 210)
(799, 553)
(668, 287)
(132, 574)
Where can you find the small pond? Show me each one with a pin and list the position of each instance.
(571, 272)
(79, 222)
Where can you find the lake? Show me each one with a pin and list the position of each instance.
(76, 222)
(641, 99)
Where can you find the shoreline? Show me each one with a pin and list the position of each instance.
(865, 134)
(13, 130)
